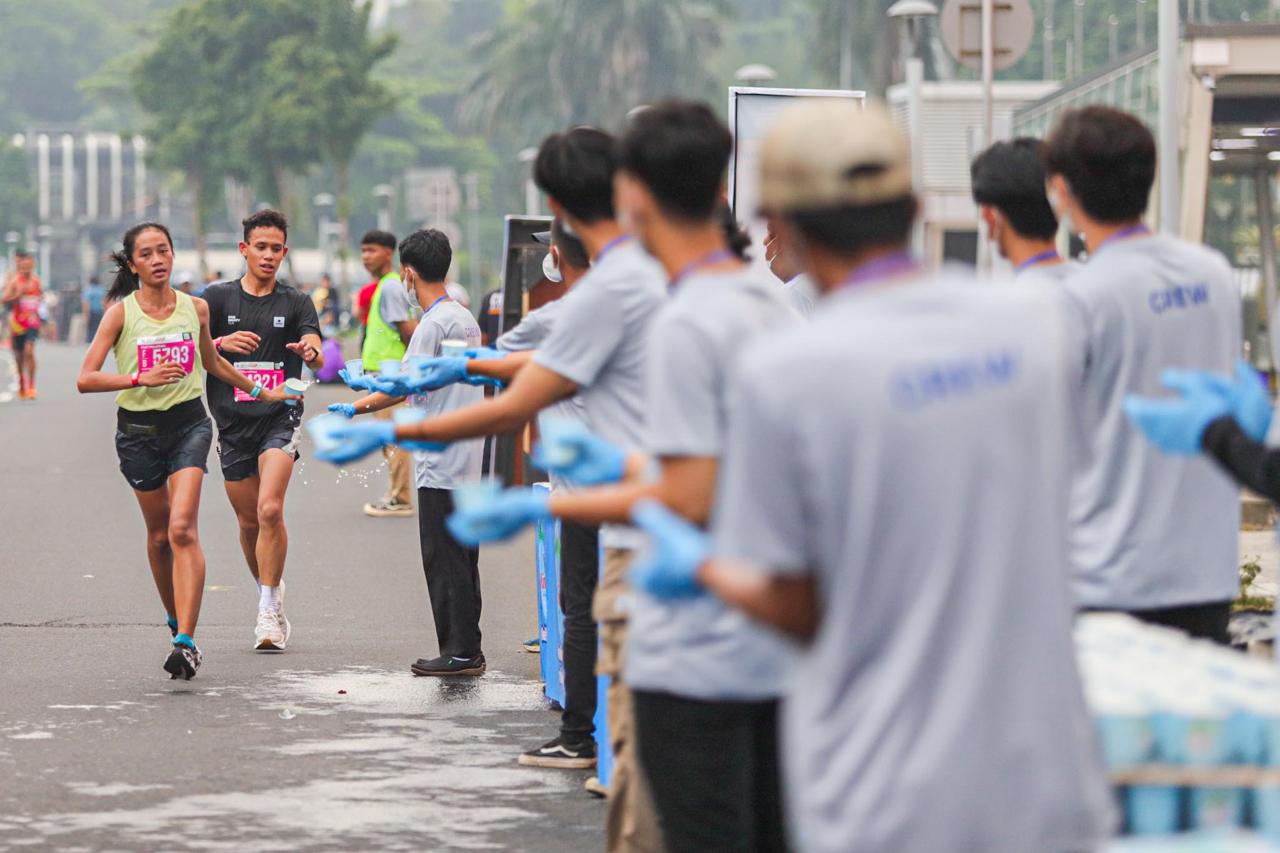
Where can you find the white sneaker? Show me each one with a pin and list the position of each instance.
(288, 629)
(269, 635)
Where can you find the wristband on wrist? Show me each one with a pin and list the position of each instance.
(134, 379)
(217, 343)
(257, 389)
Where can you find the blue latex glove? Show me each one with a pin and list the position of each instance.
(595, 461)
(429, 374)
(500, 517)
(357, 440)
(669, 568)
(347, 410)
(1177, 425)
(485, 353)
(1250, 401)
(356, 383)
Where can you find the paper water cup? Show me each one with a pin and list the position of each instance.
(553, 430)
(390, 367)
(476, 494)
(408, 414)
(295, 386)
(322, 428)
(355, 367)
(453, 348)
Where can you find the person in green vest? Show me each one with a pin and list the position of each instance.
(390, 327)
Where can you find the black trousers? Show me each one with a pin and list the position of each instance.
(579, 575)
(713, 769)
(453, 577)
(1203, 621)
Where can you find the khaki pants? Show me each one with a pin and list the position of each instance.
(399, 467)
(632, 823)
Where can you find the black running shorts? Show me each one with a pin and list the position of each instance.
(240, 457)
(148, 455)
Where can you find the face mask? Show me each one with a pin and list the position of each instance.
(550, 270)
(1055, 204)
(413, 294)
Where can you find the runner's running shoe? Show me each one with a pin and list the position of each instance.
(561, 754)
(532, 646)
(182, 662)
(271, 633)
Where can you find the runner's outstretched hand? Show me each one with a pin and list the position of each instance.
(303, 350)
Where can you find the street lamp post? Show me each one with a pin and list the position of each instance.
(913, 13)
(384, 193)
(324, 204)
(531, 205)
(1167, 70)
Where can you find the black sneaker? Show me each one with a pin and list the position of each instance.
(182, 662)
(449, 665)
(562, 754)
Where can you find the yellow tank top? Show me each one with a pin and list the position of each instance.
(144, 342)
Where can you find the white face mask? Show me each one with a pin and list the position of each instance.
(550, 270)
(1055, 204)
(413, 293)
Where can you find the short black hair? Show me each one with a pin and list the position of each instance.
(679, 150)
(21, 253)
(1108, 158)
(266, 218)
(571, 250)
(378, 238)
(850, 230)
(427, 250)
(1009, 176)
(576, 168)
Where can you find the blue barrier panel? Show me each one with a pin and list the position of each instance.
(604, 748)
(550, 619)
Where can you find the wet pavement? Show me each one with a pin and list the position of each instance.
(332, 745)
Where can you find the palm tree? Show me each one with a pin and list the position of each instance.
(555, 62)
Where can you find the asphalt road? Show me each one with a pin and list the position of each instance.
(332, 745)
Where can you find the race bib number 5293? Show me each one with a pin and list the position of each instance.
(160, 349)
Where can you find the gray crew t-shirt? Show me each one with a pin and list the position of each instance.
(529, 334)
(921, 480)
(600, 342)
(700, 648)
(1149, 530)
(802, 293)
(460, 461)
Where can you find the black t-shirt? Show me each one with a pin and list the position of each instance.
(281, 317)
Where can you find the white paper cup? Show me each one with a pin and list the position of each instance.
(321, 429)
(355, 367)
(295, 386)
(469, 496)
(453, 348)
(390, 367)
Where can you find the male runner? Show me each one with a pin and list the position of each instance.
(1143, 303)
(23, 295)
(388, 329)
(1008, 185)
(936, 705)
(267, 330)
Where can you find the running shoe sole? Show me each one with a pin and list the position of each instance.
(176, 666)
(398, 512)
(594, 788)
(559, 762)
(437, 673)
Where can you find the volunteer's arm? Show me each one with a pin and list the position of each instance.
(788, 603)
(1251, 463)
(686, 486)
(502, 369)
(375, 402)
(534, 389)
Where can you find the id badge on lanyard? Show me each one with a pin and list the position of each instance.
(178, 348)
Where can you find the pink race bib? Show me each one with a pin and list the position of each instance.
(159, 349)
(268, 374)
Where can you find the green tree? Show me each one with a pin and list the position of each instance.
(553, 62)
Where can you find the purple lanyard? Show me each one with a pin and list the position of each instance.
(709, 259)
(434, 304)
(889, 265)
(1131, 231)
(611, 245)
(1050, 255)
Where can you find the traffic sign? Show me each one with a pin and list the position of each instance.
(1012, 28)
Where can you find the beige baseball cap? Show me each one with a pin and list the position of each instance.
(831, 152)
